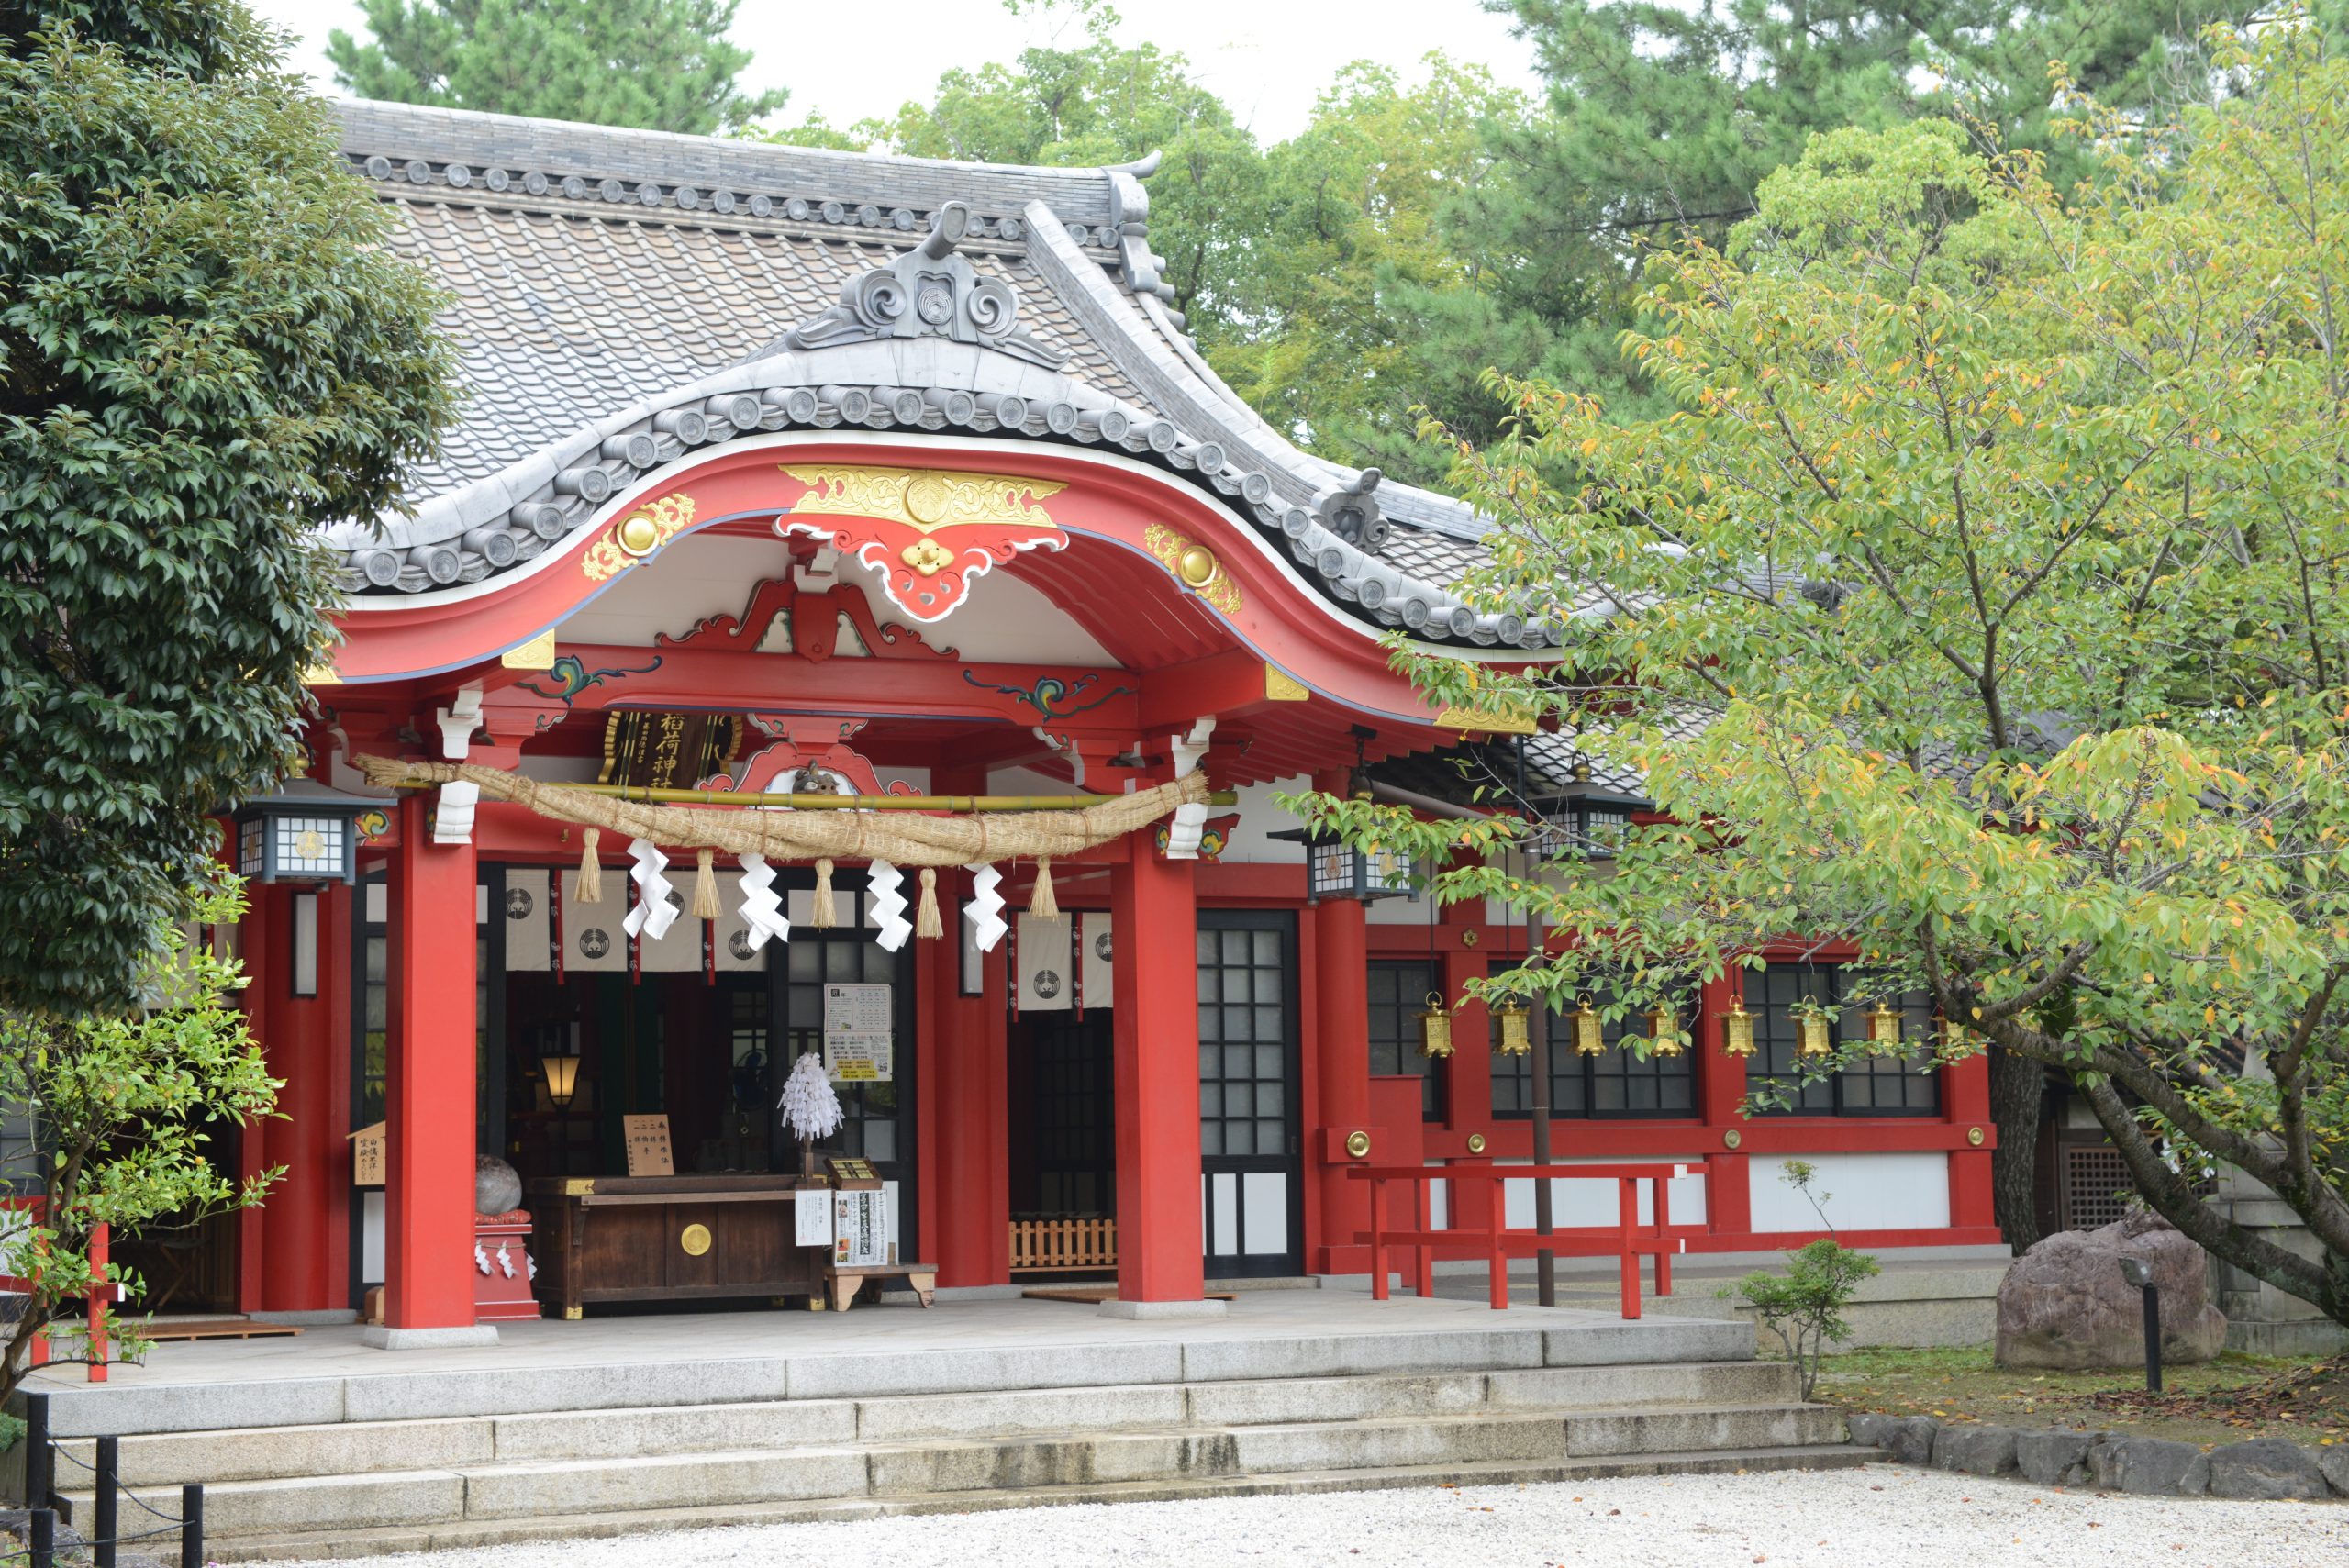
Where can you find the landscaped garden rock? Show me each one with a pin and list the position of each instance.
(1870, 1430)
(1977, 1451)
(1910, 1439)
(2150, 1465)
(2265, 1467)
(2057, 1457)
(2063, 1303)
(2333, 1462)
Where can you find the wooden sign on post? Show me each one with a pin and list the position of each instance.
(648, 1145)
(367, 1156)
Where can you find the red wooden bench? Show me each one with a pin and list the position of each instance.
(1628, 1240)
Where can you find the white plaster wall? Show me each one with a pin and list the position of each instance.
(1574, 1203)
(1858, 1192)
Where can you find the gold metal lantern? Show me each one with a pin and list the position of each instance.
(1884, 1029)
(1811, 1039)
(1435, 1028)
(1667, 1027)
(1737, 1030)
(1514, 1038)
(1590, 1039)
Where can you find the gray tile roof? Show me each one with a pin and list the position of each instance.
(606, 284)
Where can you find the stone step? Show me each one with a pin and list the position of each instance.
(315, 1543)
(510, 1488)
(350, 1448)
(134, 1406)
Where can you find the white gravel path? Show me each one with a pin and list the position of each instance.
(1879, 1517)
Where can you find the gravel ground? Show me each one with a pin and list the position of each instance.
(1880, 1515)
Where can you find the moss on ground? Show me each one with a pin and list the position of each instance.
(2231, 1399)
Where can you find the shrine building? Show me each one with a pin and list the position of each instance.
(783, 473)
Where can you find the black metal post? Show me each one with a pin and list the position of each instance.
(43, 1530)
(1546, 1261)
(192, 1525)
(2153, 1339)
(40, 1470)
(106, 1522)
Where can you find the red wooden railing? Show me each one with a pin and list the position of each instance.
(100, 1293)
(1629, 1241)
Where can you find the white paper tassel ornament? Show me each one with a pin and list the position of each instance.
(761, 910)
(884, 905)
(653, 914)
(810, 1108)
(984, 911)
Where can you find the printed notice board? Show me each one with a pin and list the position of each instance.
(367, 1156)
(648, 1146)
(861, 1227)
(812, 1217)
(859, 1038)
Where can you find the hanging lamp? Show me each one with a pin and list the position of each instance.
(1590, 1037)
(1666, 1031)
(1884, 1029)
(1737, 1030)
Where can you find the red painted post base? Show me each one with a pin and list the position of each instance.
(502, 1268)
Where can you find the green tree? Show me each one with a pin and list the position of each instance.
(127, 1102)
(1663, 119)
(655, 64)
(205, 352)
(1996, 542)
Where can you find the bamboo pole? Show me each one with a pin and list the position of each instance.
(816, 802)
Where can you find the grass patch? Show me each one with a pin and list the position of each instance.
(2231, 1399)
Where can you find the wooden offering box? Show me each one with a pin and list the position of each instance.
(669, 1239)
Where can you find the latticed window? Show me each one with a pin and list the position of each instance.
(1616, 1083)
(1399, 989)
(1906, 1084)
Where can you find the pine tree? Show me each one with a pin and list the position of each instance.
(654, 64)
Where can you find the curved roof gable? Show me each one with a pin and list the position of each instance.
(617, 297)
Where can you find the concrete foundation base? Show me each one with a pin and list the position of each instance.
(382, 1337)
(324, 1317)
(1155, 1311)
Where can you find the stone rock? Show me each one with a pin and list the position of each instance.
(2057, 1457)
(2063, 1303)
(1910, 1439)
(2333, 1464)
(2150, 1465)
(1976, 1450)
(497, 1189)
(1870, 1430)
(2265, 1467)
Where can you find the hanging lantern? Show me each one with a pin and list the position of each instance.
(302, 831)
(1884, 1029)
(1667, 1032)
(1435, 1028)
(1953, 1037)
(563, 1079)
(1516, 1039)
(1737, 1030)
(1590, 1039)
(1811, 1040)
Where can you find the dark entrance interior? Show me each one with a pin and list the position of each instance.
(1063, 1143)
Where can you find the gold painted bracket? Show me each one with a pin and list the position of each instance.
(536, 654)
(1282, 687)
(1487, 721)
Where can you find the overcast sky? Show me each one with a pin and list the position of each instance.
(1266, 58)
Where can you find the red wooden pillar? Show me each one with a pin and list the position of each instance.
(299, 1035)
(1154, 903)
(1720, 1091)
(1342, 1079)
(259, 934)
(1468, 1072)
(429, 1096)
(966, 1176)
(1965, 1090)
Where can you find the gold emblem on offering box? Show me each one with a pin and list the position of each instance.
(694, 1239)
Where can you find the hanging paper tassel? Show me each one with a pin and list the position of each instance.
(885, 906)
(762, 910)
(590, 888)
(653, 914)
(984, 911)
(1040, 903)
(927, 925)
(823, 918)
(704, 885)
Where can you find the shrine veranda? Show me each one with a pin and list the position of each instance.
(793, 473)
